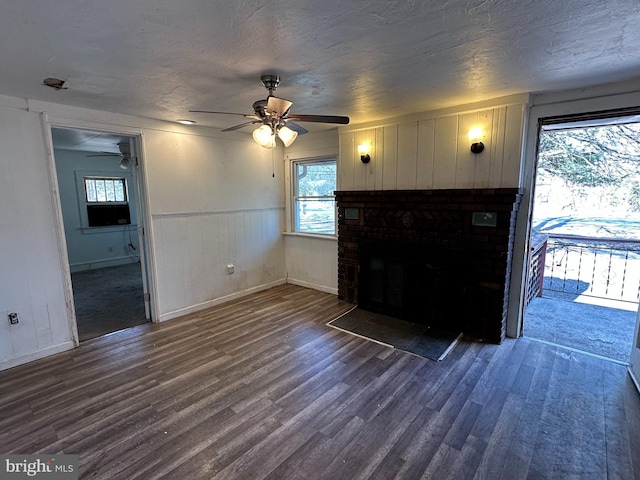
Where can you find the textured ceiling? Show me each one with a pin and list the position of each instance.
(90, 141)
(369, 60)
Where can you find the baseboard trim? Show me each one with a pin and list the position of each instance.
(30, 357)
(314, 286)
(96, 264)
(216, 301)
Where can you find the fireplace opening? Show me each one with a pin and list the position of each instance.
(420, 284)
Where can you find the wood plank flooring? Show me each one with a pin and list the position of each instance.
(261, 388)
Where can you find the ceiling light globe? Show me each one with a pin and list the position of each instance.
(264, 136)
(287, 135)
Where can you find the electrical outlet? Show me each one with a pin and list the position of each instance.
(230, 268)
(14, 318)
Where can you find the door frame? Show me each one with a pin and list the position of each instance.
(142, 214)
(610, 100)
(608, 118)
(634, 362)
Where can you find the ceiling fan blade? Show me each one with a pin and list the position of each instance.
(236, 127)
(278, 106)
(320, 118)
(297, 128)
(246, 115)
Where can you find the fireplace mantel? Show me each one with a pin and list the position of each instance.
(478, 223)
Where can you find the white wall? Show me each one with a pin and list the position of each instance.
(90, 248)
(211, 200)
(311, 261)
(31, 273)
(432, 150)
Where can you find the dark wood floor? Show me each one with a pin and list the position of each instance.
(262, 388)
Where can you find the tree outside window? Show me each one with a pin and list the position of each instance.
(105, 190)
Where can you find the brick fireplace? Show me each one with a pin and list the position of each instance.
(438, 257)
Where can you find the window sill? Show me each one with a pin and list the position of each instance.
(108, 229)
(319, 236)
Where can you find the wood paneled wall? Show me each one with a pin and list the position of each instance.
(31, 275)
(213, 202)
(312, 262)
(194, 249)
(433, 152)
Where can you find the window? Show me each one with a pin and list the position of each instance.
(106, 200)
(314, 205)
(105, 190)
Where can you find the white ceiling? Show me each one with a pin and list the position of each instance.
(365, 59)
(90, 141)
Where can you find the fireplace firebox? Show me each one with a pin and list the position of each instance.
(414, 283)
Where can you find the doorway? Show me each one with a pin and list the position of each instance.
(583, 282)
(99, 187)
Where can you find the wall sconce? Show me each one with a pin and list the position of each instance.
(475, 135)
(363, 151)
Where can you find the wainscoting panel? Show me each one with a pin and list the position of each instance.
(194, 249)
(432, 151)
(312, 262)
(32, 281)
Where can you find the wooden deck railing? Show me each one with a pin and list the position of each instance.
(576, 265)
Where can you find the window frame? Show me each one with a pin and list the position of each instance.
(105, 202)
(295, 214)
(82, 204)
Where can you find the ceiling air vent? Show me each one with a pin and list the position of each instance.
(54, 83)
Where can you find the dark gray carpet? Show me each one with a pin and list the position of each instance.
(108, 299)
(607, 332)
(406, 336)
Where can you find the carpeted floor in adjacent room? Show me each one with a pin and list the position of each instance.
(108, 299)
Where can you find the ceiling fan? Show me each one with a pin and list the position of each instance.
(276, 119)
(124, 155)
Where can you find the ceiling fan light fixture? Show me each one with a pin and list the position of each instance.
(287, 135)
(272, 114)
(264, 136)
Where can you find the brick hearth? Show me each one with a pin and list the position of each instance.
(439, 223)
